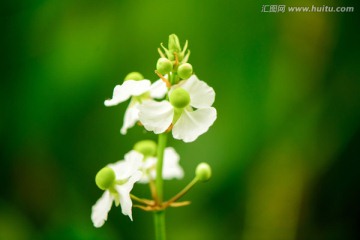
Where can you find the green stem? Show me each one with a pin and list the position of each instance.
(159, 216)
(159, 220)
(159, 166)
(181, 193)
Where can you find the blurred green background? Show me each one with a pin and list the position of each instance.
(284, 149)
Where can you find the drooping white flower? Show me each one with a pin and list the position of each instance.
(138, 91)
(189, 110)
(171, 167)
(117, 180)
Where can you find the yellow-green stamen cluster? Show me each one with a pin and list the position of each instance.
(164, 66)
(134, 76)
(179, 98)
(146, 147)
(105, 178)
(185, 70)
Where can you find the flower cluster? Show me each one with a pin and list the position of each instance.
(177, 103)
(118, 179)
(187, 111)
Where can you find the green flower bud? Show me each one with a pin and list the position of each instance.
(179, 98)
(134, 76)
(146, 147)
(174, 44)
(105, 178)
(164, 66)
(203, 172)
(185, 70)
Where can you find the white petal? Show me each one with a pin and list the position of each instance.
(134, 162)
(201, 94)
(131, 117)
(124, 194)
(126, 90)
(136, 88)
(158, 89)
(135, 177)
(126, 168)
(101, 209)
(148, 169)
(191, 125)
(156, 116)
(171, 168)
(119, 95)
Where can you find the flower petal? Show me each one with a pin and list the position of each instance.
(119, 95)
(191, 125)
(126, 90)
(201, 94)
(131, 117)
(156, 116)
(126, 168)
(171, 168)
(124, 193)
(101, 209)
(148, 169)
(158, 89)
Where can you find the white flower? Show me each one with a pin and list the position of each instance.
(171, 168)
(138, 91)
(126, 174)
(189, 110)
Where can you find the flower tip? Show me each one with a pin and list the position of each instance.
(203, 172)
(174, 43)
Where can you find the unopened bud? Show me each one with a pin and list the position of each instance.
(105, 178)
(203, 172)
(179, 98)
(185, 70)
(146, 147)
(164, 66)
(174, 43)
(134, 76)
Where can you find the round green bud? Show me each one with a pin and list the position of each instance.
(134, 76)
(179, 98)
(164, 66)
(146, 147)
(185, 70)
(203, 172)
(105, 178)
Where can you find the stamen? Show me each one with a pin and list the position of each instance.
(176, 60)
(168, 84)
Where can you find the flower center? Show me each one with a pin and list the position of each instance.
(134, 76)
(179, 98)
(105, 178)
(146, 147)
